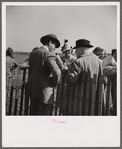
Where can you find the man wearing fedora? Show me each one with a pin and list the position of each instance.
(44, 75)
(86, 61)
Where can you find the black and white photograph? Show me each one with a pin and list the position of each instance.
(61, 74)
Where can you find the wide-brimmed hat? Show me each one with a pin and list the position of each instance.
(66, 46)
(83, 43)
(48, 37)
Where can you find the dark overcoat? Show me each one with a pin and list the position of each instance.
(44, 75)
(88, 63)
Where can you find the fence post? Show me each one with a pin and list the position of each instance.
(87, 95)
(101, 95)
(10, 103)
(69, 105)
(26, 112)
(57, 107)
(22, 92)
(108, 96)
(75, 99)
(8, 91)
(114, 95)
(61, 93)
(16, 102)
(81, 93)
(64, 99)
(93, 94)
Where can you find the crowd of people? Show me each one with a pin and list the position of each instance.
(46, 67)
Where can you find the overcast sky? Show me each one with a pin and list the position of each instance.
(25, 25)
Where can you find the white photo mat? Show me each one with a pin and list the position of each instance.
(77, 131)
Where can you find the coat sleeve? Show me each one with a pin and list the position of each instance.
(52, 65)
(16, 64)
(109, 70)
(74, 72)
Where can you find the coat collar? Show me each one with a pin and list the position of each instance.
(86, 54)
(45, 48)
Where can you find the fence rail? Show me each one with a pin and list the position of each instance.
(86, 97)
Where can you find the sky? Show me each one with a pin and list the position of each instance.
(25, 25)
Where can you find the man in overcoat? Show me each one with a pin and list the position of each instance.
(44, 75)
(89, 64)
(86, 61)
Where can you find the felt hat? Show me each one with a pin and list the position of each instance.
(83, 43)
(97, 49)
(66, 46)
(52, 37)
(113, 51)
(9, 51)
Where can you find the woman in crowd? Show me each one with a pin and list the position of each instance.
(110, 70)
(11, 63)
(10, 58)
(101, 53)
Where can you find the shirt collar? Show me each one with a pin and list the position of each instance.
(46, 48)
(86, 54)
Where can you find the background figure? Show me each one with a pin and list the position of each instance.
(89, 64)
(44, 76)
(10, 58)
(110, 67)
(110, 70)
(68, 57)
(26, 62)
(86, 61)
(60, 63)
(115, 56)
(11, 64)
(113, 51)
(101, 53)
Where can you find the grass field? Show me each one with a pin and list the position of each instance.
(20, 58)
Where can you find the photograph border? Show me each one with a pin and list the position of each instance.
(1, 54)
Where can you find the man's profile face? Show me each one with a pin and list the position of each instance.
(80, 51)
(67, 53)
(12, 54)
(52, 46)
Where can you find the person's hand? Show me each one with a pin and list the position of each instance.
(24, 65)
(64, 69)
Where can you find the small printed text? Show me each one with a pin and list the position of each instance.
(56, 121)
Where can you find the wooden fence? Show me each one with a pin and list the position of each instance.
(86, 97)
(17, 99)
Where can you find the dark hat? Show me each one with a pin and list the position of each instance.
(97, 49)
(48, 37)
(113, 51)
(82, 43)
(66, 46)
(9, 51)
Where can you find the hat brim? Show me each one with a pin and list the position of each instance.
(66, 50)
(88, 46)
(44, 38)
